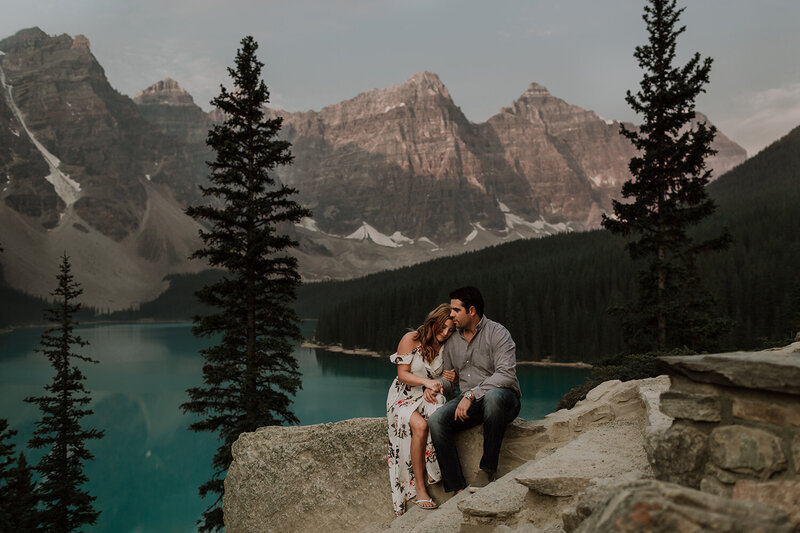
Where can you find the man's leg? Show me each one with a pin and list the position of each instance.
(443, 427)
(500, 407)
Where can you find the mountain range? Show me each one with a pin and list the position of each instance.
(394, 176)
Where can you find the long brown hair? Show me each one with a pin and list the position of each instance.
(426, 333)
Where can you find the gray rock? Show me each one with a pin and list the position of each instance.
(783, 494)
(678, 455)
(796, 453)
(747, 450)
(656, 506)
(603, 452)
(699, 407)
(767, 410)
(522, 528)
(712, 485)
(775, 370)
(268, 486)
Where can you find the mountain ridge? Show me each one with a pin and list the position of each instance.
(403, 161)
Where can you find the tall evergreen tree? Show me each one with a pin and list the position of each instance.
(668, 192)
(249, 376)
(67, 506)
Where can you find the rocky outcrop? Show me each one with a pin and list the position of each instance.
(333, 477)
(582, 470)
(173, 110)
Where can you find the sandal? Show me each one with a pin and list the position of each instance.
(430, 504)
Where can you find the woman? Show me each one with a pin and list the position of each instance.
(411, 452)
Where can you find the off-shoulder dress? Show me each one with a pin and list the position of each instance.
(401, 402)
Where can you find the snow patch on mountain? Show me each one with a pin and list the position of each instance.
(367, 232)
(539, 226)
(67, 188)
(390, 107)
(399, 238)
(472, 235)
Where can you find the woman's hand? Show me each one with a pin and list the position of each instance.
(434, 385)
(450, 375)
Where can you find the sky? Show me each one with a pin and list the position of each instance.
(318, 53)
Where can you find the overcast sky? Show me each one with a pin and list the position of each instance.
(486, 52)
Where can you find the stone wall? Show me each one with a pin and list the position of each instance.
(736, 431)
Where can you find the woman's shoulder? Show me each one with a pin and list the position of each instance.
(408, 343)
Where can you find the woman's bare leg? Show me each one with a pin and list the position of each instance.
(419, 440)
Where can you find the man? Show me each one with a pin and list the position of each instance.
(483, 353)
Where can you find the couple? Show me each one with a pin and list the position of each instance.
(481, 357)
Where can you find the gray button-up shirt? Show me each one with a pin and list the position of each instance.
(486, 362)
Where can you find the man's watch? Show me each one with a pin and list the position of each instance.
(469, 394)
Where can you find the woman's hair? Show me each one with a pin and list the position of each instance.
(426, 333)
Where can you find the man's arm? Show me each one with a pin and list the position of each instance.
(503, 352)
(447, 364)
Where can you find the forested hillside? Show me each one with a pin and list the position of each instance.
(554, 294)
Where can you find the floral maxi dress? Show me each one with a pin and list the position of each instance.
(401, 402)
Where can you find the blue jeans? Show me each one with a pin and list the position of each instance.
(495, 410)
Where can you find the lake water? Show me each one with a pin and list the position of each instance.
(148, 467)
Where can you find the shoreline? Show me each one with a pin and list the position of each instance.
(371, 353)
(15, 327)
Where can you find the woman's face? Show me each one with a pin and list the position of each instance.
(446, 332)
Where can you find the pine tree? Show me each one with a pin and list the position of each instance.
(250, 375)
(21, 498)
(6, 460)
(67, 506)
(668, 192)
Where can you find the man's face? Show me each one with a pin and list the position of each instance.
(460, 316)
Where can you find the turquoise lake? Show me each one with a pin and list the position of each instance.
(148, 467)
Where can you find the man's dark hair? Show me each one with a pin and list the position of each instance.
(470, 297)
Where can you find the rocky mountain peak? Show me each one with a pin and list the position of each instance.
(81, 42)
(27, 38)
(535, 90)
(166, 91)
(428, 81)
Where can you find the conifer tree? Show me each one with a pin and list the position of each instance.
(6, 462)
(668, 194)
(21, 499)
(249, 376)
(66, 505)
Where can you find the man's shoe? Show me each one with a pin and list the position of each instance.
(482, 478)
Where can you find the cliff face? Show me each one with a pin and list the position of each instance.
(101, 147)
(406, 159)
(86, 173)
(173, 110)
(400, 159)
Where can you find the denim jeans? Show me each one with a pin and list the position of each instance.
(495, 410)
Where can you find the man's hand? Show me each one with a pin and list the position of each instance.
(462, 408)
(450, 375)
(430, 395)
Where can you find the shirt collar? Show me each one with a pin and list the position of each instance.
(478, 326)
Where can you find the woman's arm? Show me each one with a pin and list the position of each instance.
(404, 374)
